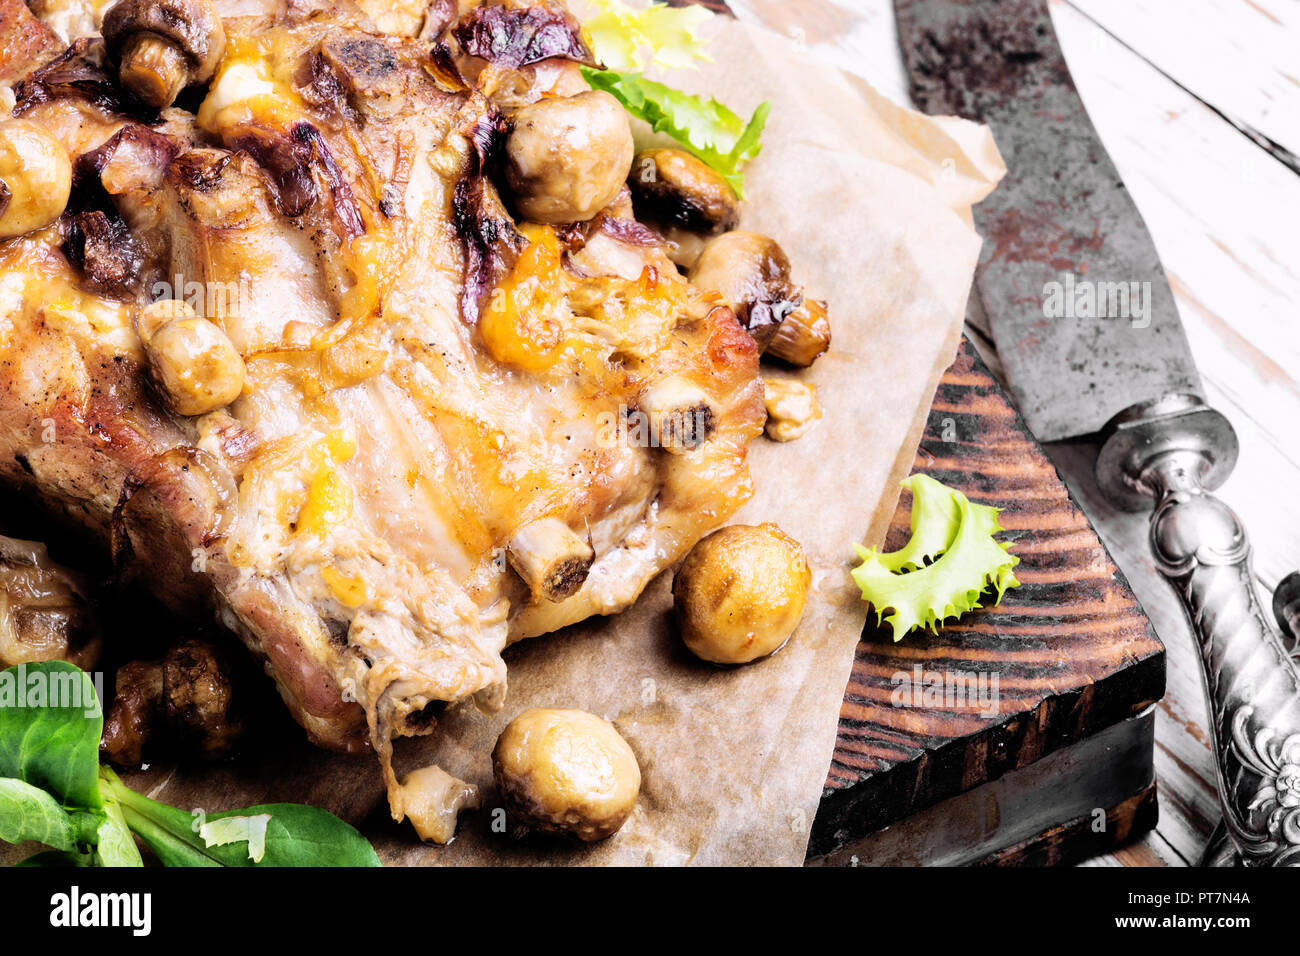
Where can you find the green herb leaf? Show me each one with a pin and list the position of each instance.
(50, 722)
(29, 813)
(295, 835)
(58, 859)
(114, 844)
(954, 534)
(710, 130)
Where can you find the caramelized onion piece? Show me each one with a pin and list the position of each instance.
(511, 36)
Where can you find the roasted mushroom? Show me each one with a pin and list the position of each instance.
(803, 336)
(44, 615)
(567, 157)
(199, 697)
(163, 46)
(35, 178)
(191, 360)
(134, 713)
(740, 593)
(567, 772)
(187, 697)
(672, 186)
(752, 274)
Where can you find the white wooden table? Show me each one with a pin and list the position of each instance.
(1198, 103)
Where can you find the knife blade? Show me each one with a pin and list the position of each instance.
(1061, 231)
(1062, 219)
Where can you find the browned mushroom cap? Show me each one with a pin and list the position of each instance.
(672, 186)
(804, 335)
(752, 274)
(163, 46)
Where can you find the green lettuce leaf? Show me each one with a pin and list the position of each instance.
(949, 561)
(706, 127)
(291, 835)
(29, 813)
(49, 731)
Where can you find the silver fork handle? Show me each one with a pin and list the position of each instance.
(1171, 453)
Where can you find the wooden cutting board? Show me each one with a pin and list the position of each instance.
(1071, 648)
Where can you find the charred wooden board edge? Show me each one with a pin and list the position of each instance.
(1078, 839)
(1093, 779)
(869, 790)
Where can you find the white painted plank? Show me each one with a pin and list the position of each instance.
(1240, 56)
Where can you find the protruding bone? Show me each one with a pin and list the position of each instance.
(551, 559)
(681, 415)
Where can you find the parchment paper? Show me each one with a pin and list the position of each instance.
(871, 201)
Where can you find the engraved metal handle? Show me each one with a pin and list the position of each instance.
(1173, 452)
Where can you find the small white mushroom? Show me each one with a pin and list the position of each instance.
(568, 157)
(163, 46)
(191, 360)
(35, 178)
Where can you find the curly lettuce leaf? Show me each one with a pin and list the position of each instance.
(624, 37)
(706, 127)
(949, 561)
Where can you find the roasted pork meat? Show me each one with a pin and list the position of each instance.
(456, 429)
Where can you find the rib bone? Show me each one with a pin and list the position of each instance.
(551, 559)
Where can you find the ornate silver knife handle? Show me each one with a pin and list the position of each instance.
(1172, 452)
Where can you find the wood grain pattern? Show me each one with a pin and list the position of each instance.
(1071, 650)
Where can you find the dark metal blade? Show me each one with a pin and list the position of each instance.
(1062, 216)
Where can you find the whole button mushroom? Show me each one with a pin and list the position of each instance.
(35, 178)
(163, 46)
(191, 360)
(752, 274)
(740, 593)
(566, 772)
(673, 186)
(568, 157)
